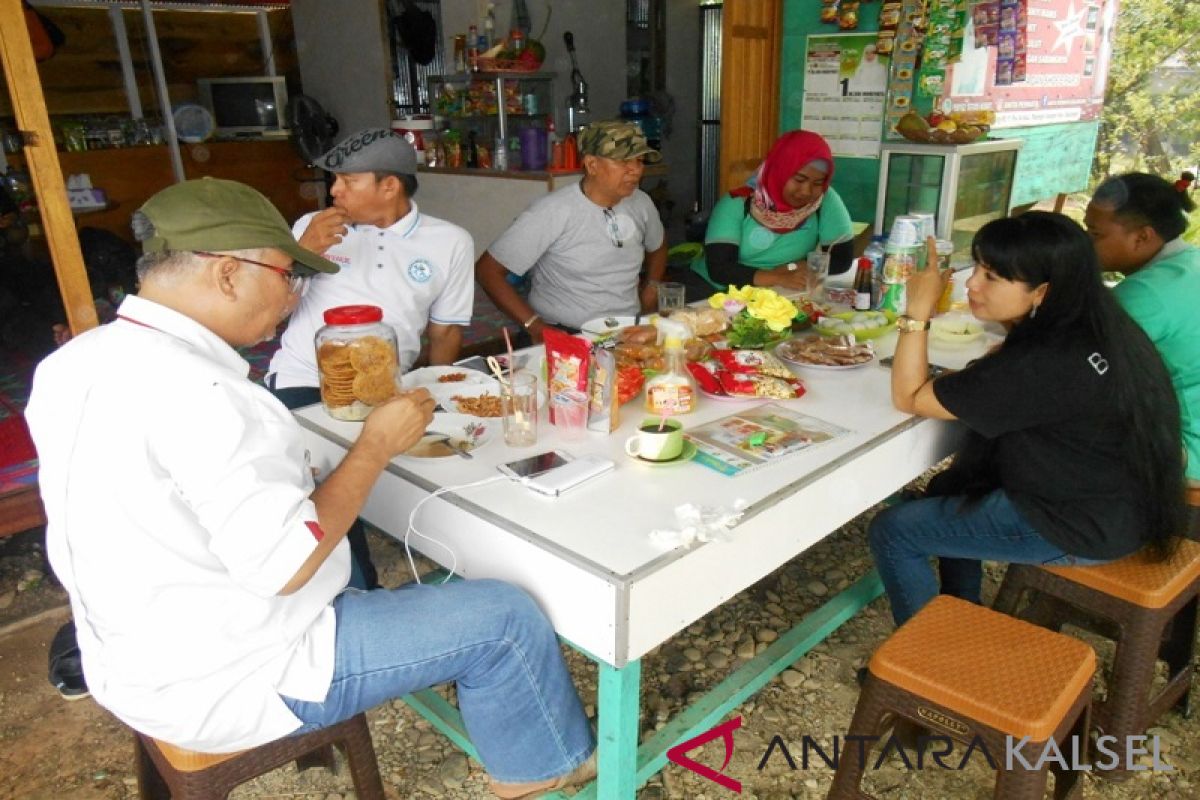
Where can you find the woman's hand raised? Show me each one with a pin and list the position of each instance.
(925, 286)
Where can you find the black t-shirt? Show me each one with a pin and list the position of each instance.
(1047, 432)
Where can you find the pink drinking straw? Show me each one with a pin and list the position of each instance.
(662, 422)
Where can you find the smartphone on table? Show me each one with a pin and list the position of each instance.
(935, 370)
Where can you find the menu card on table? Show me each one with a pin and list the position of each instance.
(758, 436)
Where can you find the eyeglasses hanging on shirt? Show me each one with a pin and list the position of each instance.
(614, 230)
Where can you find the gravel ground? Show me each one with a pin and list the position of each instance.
(52, 749)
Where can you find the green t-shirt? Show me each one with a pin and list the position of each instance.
(760, 248)
(1163, 298)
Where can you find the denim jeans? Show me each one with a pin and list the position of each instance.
(960, 535)
(515, 694)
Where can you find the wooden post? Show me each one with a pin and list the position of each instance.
(29, 104)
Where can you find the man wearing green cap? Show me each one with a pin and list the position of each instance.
(206, 570)
(586, 244)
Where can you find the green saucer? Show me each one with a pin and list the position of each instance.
(686, 454)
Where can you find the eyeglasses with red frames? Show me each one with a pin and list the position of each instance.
(296, 282)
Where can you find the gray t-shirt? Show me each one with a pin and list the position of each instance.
(581, 272)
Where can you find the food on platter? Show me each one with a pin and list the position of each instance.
(452, 377)
(638, 334)
(839, 351)
(863, 324)
(483, 405)
(701, 321)
(955, 330)
(718, 382)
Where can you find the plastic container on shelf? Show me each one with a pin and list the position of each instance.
(357, 359)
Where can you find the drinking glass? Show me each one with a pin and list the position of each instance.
(519, 403)
(570, 414)
(670, 297)
(818, 271)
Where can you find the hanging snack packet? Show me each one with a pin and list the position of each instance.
(567, 360)
(603, 405)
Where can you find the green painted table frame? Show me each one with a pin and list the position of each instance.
(624, 765)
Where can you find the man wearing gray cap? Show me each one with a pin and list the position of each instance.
(415, 267)
(206, 569)
(585, 245)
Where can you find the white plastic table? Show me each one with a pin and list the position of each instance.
(588, 559)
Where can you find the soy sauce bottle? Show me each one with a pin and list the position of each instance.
(862, 285)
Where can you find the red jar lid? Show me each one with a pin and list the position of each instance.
(353, 315)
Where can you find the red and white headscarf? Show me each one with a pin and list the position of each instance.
(791, 153)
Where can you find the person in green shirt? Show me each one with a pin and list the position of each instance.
(761, 233)
(1136, 222)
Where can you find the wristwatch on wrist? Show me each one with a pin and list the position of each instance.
(906, 324)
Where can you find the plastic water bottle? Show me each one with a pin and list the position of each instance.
(874, 252)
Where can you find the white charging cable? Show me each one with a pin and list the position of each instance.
(412, 528)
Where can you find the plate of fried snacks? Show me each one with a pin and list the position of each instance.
(836, 353)
(450, 435)
(356, 376)
(476, 400)
(439, 377)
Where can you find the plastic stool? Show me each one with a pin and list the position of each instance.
(165, 771)
(966, 672)
(1148, 607)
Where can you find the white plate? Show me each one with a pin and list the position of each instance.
(428, 377)
(447, 395)
(606, 326)
(467, 433)
(729, 398)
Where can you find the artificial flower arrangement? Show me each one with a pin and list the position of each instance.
(757, 316)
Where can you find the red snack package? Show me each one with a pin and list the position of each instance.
(737, 384)
(629, 383)
(704, 378)
(567, 361)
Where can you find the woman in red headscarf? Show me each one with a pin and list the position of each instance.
(762, 233)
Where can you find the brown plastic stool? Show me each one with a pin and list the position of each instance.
(165, 771)
(1148, 607)
(969, 674)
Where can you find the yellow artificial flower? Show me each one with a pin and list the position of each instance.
(778, 312)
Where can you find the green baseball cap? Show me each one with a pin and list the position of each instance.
(214, 214)
(618, 140)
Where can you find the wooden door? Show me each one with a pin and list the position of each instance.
(41, 156)
(751, 33)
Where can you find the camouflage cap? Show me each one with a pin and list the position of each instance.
(616, 139)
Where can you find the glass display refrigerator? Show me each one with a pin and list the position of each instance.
(964, 185)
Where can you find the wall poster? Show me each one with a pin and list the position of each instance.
(845, 82)
(1069, 45)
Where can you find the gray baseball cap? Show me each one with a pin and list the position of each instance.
(371, 150)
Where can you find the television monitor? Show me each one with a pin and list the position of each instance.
(252, 106)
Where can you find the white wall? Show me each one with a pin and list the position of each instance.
(344, 60)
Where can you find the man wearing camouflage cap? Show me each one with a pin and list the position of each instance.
(206, 569)
(590, 242)
(417, 268)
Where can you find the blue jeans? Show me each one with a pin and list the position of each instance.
(517, 700)
(960, 535)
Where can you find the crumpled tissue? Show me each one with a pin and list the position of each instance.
(700, 524)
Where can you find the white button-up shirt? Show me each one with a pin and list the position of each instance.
(177, 497)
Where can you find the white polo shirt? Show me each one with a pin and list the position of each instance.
(177, 497)
(420, 269)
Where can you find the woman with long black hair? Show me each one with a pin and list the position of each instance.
(1074, 451)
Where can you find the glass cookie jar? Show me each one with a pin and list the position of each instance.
(357, 361)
